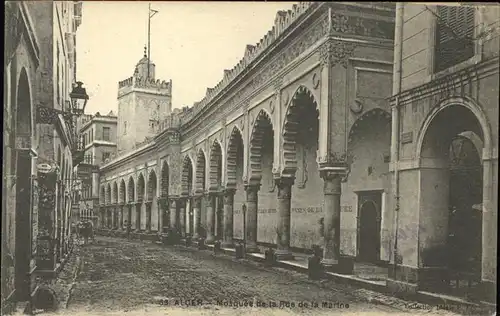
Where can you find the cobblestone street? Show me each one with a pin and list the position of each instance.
(136, 277)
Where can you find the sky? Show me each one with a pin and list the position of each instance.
(191, 43)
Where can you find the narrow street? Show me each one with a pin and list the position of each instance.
(137, 277)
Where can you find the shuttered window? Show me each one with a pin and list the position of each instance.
(454, 37)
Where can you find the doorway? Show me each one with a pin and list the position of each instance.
(369, 226)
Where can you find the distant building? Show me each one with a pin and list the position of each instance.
(98, 136)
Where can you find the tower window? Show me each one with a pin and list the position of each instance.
(454, 36)
(106, 133)
(125, 127)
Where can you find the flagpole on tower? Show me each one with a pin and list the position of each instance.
(149, 34)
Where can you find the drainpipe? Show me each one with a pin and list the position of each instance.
(398, 56)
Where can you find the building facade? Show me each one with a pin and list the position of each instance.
(445, 148)
(19, 227)
(335, 130)
(242, 148)
(40, 147)
(98, 136)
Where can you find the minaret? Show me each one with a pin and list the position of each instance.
(142, 104)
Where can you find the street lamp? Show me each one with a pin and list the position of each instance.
(79, 98)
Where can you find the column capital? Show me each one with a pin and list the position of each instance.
(229, 191)
(149, 202)
(332, 182)
(197, 202)
(284, 181)
(252, 186)
(330, 173)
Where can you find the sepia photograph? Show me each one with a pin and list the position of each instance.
(250, 158)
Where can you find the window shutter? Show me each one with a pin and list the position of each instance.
(455, 30)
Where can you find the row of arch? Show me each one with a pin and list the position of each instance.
(121, 192)
(302, 106)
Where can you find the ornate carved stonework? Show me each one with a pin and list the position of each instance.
(353, 25)
(334, 52)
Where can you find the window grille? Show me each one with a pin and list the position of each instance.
(454, 36)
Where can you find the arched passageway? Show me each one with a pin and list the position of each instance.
(214, 199)
(298, 209)
(260, 205)
(184, 205)
(369, 142)
(164, 207)
(234, 192)
(152, 204)
(198, 218)
(140, 211)
(130, 199)
(451, 196)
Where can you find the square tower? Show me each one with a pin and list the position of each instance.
(143, 103)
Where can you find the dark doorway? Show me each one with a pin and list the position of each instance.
(369, 226)
(465, 219)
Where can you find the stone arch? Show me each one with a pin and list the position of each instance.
(234, 148)
(201, 164)
(484, 130)
(263, 124)
(458, 181)
(152, 181)
(187, 176)
(364, 122)
(140, 187)
(165, 179)
(302, 100)
(215, 165)
(108, 194)
(130, 191)
(115, 192)
(122, 191)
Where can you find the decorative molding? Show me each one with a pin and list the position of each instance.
(315, 80)
(361, 26)
(357, 106)
(271, 106)
(335, 52)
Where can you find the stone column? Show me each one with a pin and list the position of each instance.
(210, 200)
(219, 214)
(148, 216)
(138, 216)
(112, 211)
(163, 214)
(284, 185)
(331, 210)
(129, 214)
(181, 205)
(251, 217)
(120, 223)
(197, 217)
(173, 215)
(228, 218)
